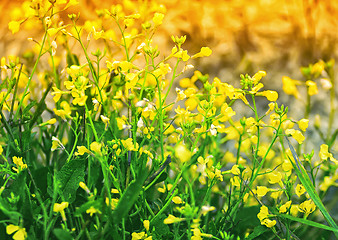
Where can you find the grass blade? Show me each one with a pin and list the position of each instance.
(307, 183)
(307, 222)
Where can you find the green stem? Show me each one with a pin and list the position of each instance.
(332, 104)
(31, 75)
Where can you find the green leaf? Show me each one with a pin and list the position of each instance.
(69, 177)
(307, 183)
(62, 234)
(307, 222)
(161, 229)
(5, 209)
(333, 138)
(129, 197)
(246, 218)
(40, 177)
(101, 130)
(259, 230)
(28, 107)
(27, 138)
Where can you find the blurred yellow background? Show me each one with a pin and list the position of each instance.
(245, 35)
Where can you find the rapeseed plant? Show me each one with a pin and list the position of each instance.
(105, 145)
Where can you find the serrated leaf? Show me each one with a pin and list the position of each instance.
(40, 177)
(27, 138)
(69, 177)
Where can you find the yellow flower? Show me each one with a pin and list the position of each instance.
(324, 154)
(318, 68)
(183, 54)
(294, 210)
(235, 181)
(326, 83)
(121, 122)
(271, 108)
(84, 187)
(217, 174)
(81, 150)
(328, 181)
(64, 112)
(92, 210)
(128, 22)
(258, 76)
(163, 189)
(296, 134)
(206, 209)
(80, 98)
(262, 191)
(182, 153)
(269, 223)
(105, 120)
(49, 122)
(180, 95)
(1, 150)
(60, 207)
(303, 124)
(114, 190)
(205, 52)
(57, 94)
(71, 3)
(14, 26)
(285, 207)
(53, 31)
(275, 177)
(263, 217)
(263, 213)
(113, 202)
(141, 235)
(130, 145)
(158, 18)
(56, 143)
(227, 112)
(276, 194)
(19, 163)
(177, 200)
(146, 224)
(287, 165)
(96, 147)
(125, 66)
(300, 189)
(235, 170)
(289, 86)
(256, 88)
(172, 219)
(312, 87)
(272, 96)
(307, 207)
(20, 233)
